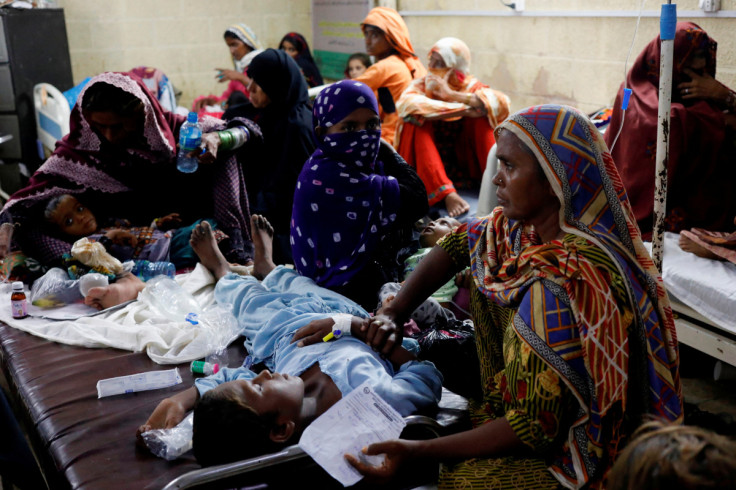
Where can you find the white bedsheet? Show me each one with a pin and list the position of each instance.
(135, 326)
(707, 286)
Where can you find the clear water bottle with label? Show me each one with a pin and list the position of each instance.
(190, 137)
(146, 270)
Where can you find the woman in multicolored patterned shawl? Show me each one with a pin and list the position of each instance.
(136, 179)
(574, 330)
(352, 198)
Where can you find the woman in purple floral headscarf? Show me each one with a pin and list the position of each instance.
(352, 195)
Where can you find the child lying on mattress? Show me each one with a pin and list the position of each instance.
(124, 242)
(455, 291)
(239, 413)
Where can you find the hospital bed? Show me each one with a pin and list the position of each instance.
(85, 442)
(703, 297)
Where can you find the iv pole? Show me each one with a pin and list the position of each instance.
(667, 27)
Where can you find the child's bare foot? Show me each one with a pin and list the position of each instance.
(262, 233)
(124, 289)
(690, 245)
(456, 205)
(204, 244)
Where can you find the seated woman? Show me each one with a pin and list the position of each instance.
(296, 46)
(575, 335)
(122, 151)
(279, 91)
(446, 122)
(356, 199)
(244, 46)
(239, 413)
(702, 136)
(387, 40)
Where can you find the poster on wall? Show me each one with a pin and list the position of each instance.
(337, 34)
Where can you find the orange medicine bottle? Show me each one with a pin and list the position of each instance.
(18, 301)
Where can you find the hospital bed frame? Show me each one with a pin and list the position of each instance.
(419, 427)
(696, 331)
(81, 441)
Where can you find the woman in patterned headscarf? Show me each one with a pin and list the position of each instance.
(354, 200)
(702, 141)
(120, 154)
(387, 40)
(446, 122)
(575, 334)
(244, 46)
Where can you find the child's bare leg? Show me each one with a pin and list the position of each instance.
(124, 289)
(456, 205)
(262, 233)
(689, 245)
(205, 246)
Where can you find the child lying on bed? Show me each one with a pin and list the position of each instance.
(238, 413)
(123, 241)
(454, 291)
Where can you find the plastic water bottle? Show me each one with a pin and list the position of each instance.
(170, 300)
(190, 137)
(146, 270)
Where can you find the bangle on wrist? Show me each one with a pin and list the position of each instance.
(233, 138)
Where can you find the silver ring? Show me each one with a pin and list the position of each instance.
(687, 91)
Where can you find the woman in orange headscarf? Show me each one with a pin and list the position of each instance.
(387, 39)
(446, 122)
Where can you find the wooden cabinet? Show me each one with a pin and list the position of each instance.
(33, 49)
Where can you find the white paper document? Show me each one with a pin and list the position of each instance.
(358, 420)
(151, 380)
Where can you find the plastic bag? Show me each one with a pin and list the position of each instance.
(169, 444)
(221, 328)
(55, 289)
(217, 322)
(170, 300)
(450, 345)
(93, 254)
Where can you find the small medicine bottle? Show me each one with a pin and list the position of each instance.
(206, 368)
(18, 301)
